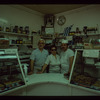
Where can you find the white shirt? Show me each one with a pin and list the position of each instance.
(39, 57)
(65, 60)
(54, 63)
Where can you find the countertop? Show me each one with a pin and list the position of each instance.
(54, 78)
(47, 77)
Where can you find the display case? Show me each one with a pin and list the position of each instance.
(86, 69)
(11, 71)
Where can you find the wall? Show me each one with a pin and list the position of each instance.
(17, 15)
(85, 16)
(21, 16)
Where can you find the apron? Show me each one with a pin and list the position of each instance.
(54, 69)
(64, 64)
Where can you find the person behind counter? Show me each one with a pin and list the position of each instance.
(38, 57)
(53, 60)
(67, 56)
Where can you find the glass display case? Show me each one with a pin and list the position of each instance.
(11, 71)
(86, 69)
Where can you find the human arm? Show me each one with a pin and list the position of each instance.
(44, 67)
(70, 63)
(70, 60)
(32, 61)
(31, 67)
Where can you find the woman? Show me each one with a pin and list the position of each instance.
(53, 60)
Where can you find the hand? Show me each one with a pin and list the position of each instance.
(67, 74)
(39, 72)
(30, 73)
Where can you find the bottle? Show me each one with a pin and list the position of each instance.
(0, 28)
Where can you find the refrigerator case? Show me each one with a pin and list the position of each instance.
(11, 71)
(86, 74)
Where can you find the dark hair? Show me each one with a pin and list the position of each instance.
(52, 47)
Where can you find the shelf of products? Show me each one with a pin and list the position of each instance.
(84, 71)
(21, 44)
(15, 39)
(92, 34)
(18, 34)
(11, 71)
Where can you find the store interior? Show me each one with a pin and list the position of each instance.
(23, 25)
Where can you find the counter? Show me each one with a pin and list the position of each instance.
(47, 84)
(51, 84)
(47, 78)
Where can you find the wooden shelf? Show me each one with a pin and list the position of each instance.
(18, 34)
(60, 37)
(86, 35)
(46, 37)
(20, 44)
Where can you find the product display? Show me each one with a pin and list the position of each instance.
(84, 80)
(11, 72)
(96, 85)
(84, 74)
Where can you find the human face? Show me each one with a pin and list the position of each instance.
(64, 46)
(41, 44)
(53, 51)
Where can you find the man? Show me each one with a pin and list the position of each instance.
(67, 56)
(38, 57)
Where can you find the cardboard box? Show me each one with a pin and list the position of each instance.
(4, 44)
(88, 45)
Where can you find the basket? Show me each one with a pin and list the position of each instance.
(4, 44)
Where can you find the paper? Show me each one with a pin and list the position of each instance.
(89, 61)
(91, 53)
(49, 30)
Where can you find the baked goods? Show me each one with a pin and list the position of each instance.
(82, 79)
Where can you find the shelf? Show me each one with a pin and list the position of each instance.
(92, 34)
(20, 44)
(11, 33)
(26, 60)
(80, 34)
(27, 36)
(47, 37)
(24, 56)
(60, 37)
(6, 57)
(85, 34)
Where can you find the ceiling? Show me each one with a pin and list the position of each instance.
(53, 8)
